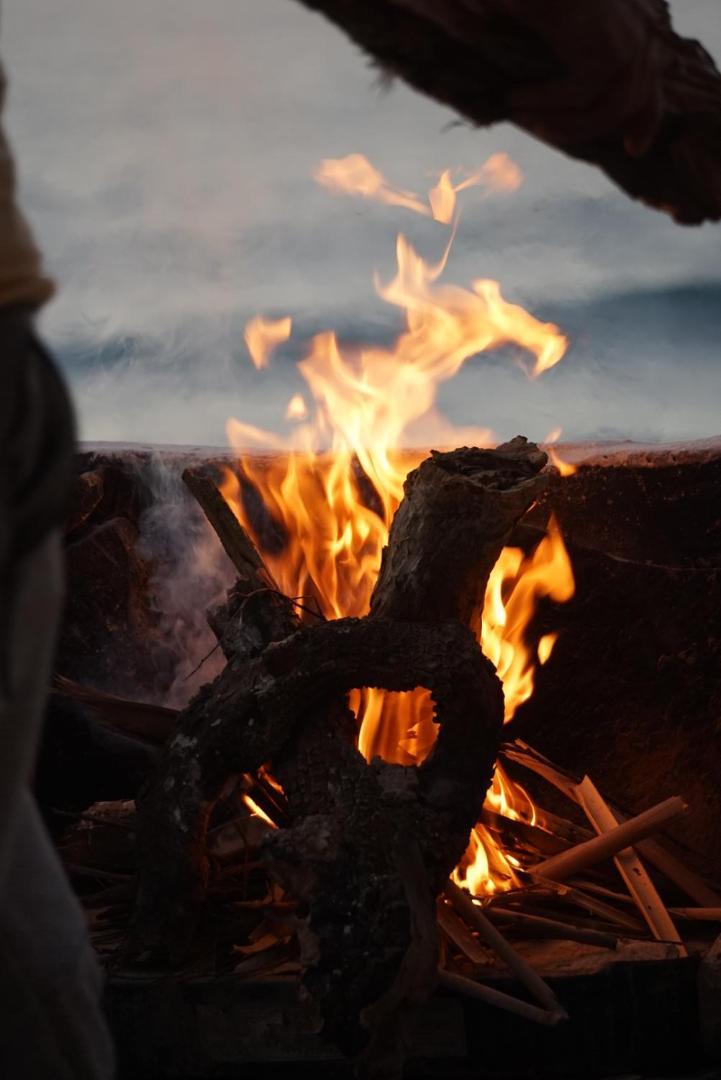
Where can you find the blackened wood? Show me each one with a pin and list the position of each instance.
(237, 545)
(369, 848)
(458, 510)
(149, 723)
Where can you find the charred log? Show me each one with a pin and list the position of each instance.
(369, 848)
(456, 515)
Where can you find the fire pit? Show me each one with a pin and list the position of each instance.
(428, 762)
(588, 932)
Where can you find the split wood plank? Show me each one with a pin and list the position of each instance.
(457, 931)
(629, 866)
(541, 927)
(580, 898)
(681, 875)
(608, 844)
(691, 883)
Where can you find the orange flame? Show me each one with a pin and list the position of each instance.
(330, 497)
(264, 335)
(565, 468)
(257, 811)
(296, 408)
(355, 175)
(515, 585)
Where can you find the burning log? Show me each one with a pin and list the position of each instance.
(369, 848)
(611, 84)
(449, 529)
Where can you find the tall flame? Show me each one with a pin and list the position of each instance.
(329, 498)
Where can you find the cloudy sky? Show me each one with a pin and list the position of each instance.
(166, 153)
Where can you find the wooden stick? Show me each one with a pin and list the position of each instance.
(698, 914)
(525, 755)
(629, 866)
(540, 926)
(597, 889)
(561, 827)
(676, 871)
(577, 895)
(495, 940)
(537, 841)
(456, 930)
(238, 546)
(460, 985)
(610, 843)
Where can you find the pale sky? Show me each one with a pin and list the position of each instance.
(166, 153)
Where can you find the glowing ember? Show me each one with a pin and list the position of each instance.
(514, 588)
(258, 811)
(333, 493)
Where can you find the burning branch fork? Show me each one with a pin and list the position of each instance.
(366, 849)
(369, 847)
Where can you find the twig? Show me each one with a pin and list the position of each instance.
(200, 663)
(456, 930)
(525, 755)
(495, 940)
(90, 871)
(537, 926)
(96, 819)
(460, 985)
(697, 914)
(576, 894)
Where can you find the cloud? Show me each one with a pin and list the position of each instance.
(166, 157)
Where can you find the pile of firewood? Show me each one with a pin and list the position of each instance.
(263, 844)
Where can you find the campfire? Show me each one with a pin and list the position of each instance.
(347, 802)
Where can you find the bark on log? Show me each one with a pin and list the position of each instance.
(457, 512)
(369, 847)
(605, 81)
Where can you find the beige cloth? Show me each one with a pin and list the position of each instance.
(22, 280)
